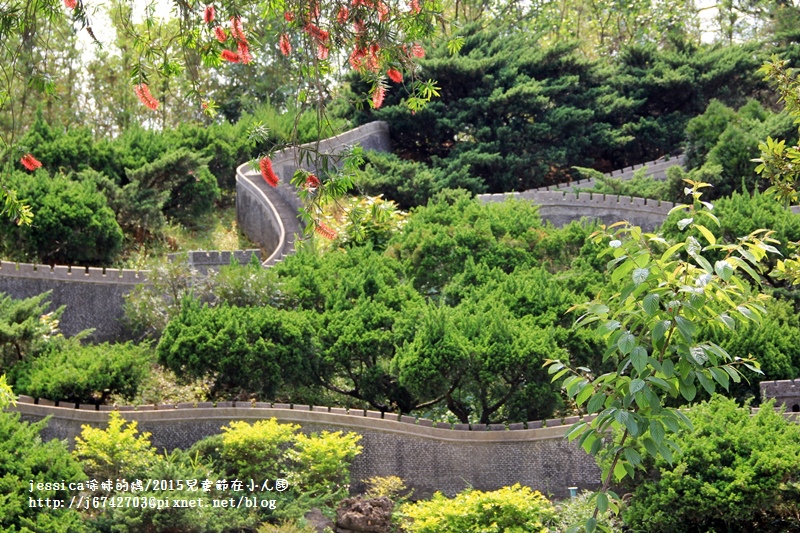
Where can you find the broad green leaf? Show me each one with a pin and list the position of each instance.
(584, 394)
(626, 343)
(639, 359)
(657, 432)
(590, 525)
(671, 251)
(632, 456)
(707, 234)
(721, 377)
(596, 402)
(707, 384)
(650, 304)
(602, 502)
(723, 269)
(688, 390)
(682, 223)
(640, 275)
(619, 471)
(636, 385)
(685, 328)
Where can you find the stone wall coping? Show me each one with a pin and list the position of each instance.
(226, 414)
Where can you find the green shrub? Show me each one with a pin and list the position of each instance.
(408, 183)
(87, 374)
(24, 458)
(514, 509)
(74, 224)
(258, 450)
(26, 329)
(190, 188)
(255, 349)
(736, 473)
(176, 468)
(116, 451)
(577, 510)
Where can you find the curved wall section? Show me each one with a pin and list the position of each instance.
(428, 458)
(267, 215)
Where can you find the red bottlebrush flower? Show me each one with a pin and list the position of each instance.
(359, 26)
(70, 4)
(143, 93)
(357, 57)
(30, 162)
(418, 51)
(325, 231)
(383, 11)
(314, 9)
(322, 51)
(373, 61)
(266, 171)
(244, 53)
(289, 16)
(318, 34)
(312, 182)
(285, 45)
(341, 16)
(415, 6)
(237, 30)
(231, 56)
(395, 75)
(378, 96)
(220, 34)
(208, 14)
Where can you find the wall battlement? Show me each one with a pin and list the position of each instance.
(786, 392)
(73, 273)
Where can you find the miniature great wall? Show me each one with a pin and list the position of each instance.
(429, 456)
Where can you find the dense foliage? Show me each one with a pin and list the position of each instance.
(515, 508)
(515, 114)
(736, 473)
(24, 458)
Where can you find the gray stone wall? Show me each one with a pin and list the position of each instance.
(267, 215)
(93, 296)
(786, 392)
(562, 207)
(202, 261)
(427, 458)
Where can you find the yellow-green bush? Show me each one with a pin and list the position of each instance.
(513, 509)
(115, 452)
(257, 451)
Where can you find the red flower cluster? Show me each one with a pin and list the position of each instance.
(143, 93)
(285, 45)
(220, 34)
(208, 14)
(322, 51)
(266, 171)
(236, 29)
(415, 6)
(325, 231)
(244, 53)
(357, 57)
(378, 96)
(383, 11)
(312, 182)
(320, 35)
(30, 162)
(395, 75)
(341, 16)
(70, 4)
(231, 56)
(418, 51)
(289, 16)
